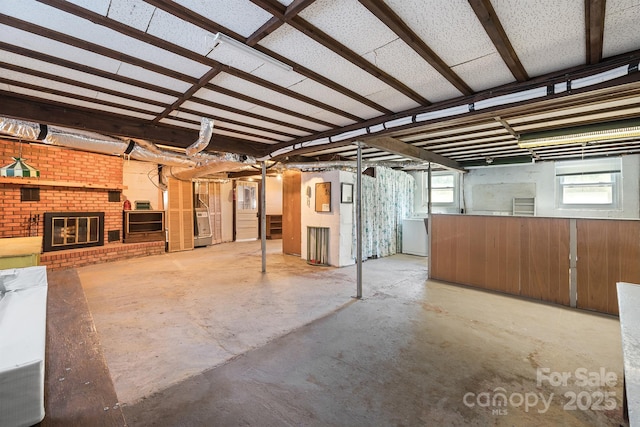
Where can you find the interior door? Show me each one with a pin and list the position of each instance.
(246, 210)
(180, 215)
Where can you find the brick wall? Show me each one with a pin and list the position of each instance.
(62, 165)
(78, 169)
(87, 256)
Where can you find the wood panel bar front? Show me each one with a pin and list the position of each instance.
(514, 255)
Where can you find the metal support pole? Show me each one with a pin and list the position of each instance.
(263, 217)
(429, 221)
(359, 222)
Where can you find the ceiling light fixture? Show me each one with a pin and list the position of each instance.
(609, 131)
(222, 38)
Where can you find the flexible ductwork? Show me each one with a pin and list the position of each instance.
(202, 164)
(206, 131)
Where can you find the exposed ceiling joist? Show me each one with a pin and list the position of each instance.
(594, 24)
(395, 146)
(489, 20)
(385, 14)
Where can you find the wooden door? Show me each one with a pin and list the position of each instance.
(246, 211)
(180, 215)
(291, 213)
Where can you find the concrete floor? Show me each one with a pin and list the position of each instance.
(203, 338)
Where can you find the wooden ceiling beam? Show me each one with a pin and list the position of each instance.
(202, 81)
(272, 6)
(388, 17)
(58, 114)
(489, 20)
(395, 146)
(594, 23)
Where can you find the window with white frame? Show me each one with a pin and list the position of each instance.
(592, 184)
(443, 188)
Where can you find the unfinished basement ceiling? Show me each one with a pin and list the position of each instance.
(461, 78)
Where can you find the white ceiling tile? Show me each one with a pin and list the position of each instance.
(347, 21)
(179, 32)
(143, 75)
(83, 77)
(49, 84)
(213, 96)
(82, 29)
(403, 63)
(315, 90)
(494, 72)
(242, 136)
(240, 16)
(288, 119)
(390, 99)
(547, 35)
(75, 102)
(285, 2)
(129, 102)
(290, 43)
(450, 28)
(278, 76)
(179, 123)
(255, 91)
(222, 114)
(620, 16)
(247, 106)
(43, 45)
(134, 13)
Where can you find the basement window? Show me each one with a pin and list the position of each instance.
(443, 189)
(589, 184)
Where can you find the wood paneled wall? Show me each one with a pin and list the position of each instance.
(530, 256)
(291, 212)
(519, 256)
(608, 252)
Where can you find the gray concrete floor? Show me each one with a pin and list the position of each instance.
(203, 338)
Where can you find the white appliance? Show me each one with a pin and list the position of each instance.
(414, 236)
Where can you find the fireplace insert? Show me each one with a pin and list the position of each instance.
(72, 230)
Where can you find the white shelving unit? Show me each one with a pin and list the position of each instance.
(524, 206)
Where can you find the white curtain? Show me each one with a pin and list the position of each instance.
(386, 200)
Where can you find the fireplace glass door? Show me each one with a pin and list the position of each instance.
(70, 230)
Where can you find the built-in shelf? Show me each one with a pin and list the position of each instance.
(49, 183)
(524, 206)
(143, 226)
(274, 227)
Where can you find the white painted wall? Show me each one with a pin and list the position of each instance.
(140, 180)
(273, 191)
(339, 220)
(490, 189)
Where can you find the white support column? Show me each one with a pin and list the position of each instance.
(359, 222)
(263, 217)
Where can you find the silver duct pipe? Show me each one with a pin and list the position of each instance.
(201, 165)
(206, 131)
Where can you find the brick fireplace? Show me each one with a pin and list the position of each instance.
(71, 184)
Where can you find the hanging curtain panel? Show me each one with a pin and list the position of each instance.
(386, 200)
